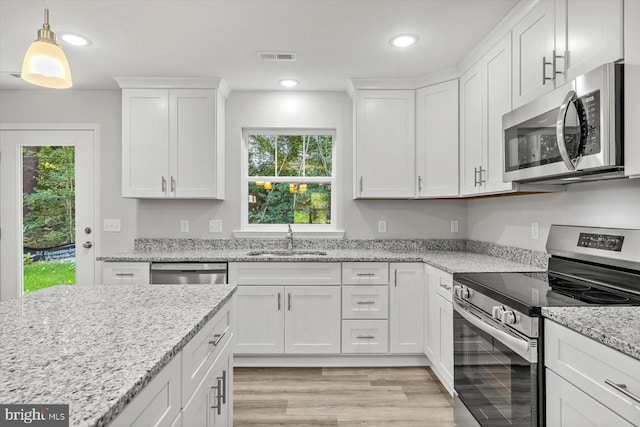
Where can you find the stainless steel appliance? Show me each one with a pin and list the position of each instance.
(188, 273)
(573, 133)
(498, 330)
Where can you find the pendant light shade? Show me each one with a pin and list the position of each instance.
(45, 64)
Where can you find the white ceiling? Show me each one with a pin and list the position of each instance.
(334, 39)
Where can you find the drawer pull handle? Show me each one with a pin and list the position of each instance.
(278, 301)
(365, 302)
(622, 388)
(447, 287)
(365, 337)
(124, 274)
(365, 274)
(289, 301)
(217, 338)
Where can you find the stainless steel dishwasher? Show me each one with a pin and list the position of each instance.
(188, 273)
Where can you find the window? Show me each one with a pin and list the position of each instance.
(289, 179)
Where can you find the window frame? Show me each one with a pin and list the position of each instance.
(244, 205)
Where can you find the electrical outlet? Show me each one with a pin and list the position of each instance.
(111, 225)
(454, 226)
(184, 226)
(215, 226)
(534, 230)
(382, 226)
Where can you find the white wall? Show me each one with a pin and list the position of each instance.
(507, 220)
(251, 109)
(84, 106)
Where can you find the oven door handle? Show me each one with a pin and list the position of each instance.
(520, 346)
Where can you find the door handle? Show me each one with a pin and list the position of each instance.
(164, 184)
(173, 185)
(223, 391)
(475, 177)
(395, 277)
(289, 301)
(278, 301)
(555, 58)
(544, 70)
(87, 245)
(361, 184)
(562, 144)
(218, 397)
(419, 183)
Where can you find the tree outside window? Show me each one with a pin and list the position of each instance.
(290, 177)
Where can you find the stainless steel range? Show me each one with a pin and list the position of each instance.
(498, 330)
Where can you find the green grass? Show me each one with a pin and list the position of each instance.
(44, 274)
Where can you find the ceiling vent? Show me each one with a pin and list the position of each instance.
(277, 56)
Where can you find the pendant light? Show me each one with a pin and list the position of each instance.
(45, 64)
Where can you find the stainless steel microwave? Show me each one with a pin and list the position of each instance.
(573, 133)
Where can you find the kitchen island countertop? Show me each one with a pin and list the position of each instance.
(96, 347)
(616, 327)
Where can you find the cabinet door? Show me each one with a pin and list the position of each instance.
(496, 72)
(533, 44)
(437, 140)
(445, 346)
(260, 319)
(632, 88)
(568, 406)
(432, 320)
(385, 142)
(192, 143)
(406, 321)
(312, 319)
(471, 156)
(145, 143)
(588, 34)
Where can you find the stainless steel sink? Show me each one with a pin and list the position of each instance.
(276, 253)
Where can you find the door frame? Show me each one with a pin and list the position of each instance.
(95, 128)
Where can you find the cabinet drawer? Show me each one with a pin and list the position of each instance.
(588, 364)
(365, 302)
(125, 273)
(445, 286)
(365, 273)
(202, 350)
(284, 273)
(365, 336)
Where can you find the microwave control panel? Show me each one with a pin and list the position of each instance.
(589, 111)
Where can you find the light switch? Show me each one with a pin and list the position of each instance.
(454, 226)
(111, 225)
(184, 226)
(534, 230)
(382, 226)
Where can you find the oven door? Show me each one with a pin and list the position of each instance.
(495, 372)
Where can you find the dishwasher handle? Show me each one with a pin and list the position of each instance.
(174, 266)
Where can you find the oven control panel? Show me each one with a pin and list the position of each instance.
(606, 242)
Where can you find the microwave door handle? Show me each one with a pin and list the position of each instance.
(562, 116)
(520, 346)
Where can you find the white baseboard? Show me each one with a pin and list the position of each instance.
(342, 360)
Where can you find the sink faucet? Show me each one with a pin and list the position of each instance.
(289, 238)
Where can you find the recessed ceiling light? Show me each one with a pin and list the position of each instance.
(404, 40)
(289, 83)
(74, 39)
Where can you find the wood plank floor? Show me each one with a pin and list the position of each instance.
(341, 397)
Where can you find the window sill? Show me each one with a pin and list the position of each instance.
(268, 234)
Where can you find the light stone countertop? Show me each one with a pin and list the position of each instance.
(616, 327)
(96, 347)
(449, 261)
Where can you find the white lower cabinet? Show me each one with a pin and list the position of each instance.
(365, 336)
(210, 404)
(171, 399)
(568, 406)
(126, 273)
(288, 319)
(365, 302)
(588, 383)
(438, 340)
(406, 321)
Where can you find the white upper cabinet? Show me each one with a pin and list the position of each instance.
(533, 48)
(172, 141)
(588, 33)
(562, 39)
(496, 91)
(437, 140)
(471, 153)
(384, 144)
